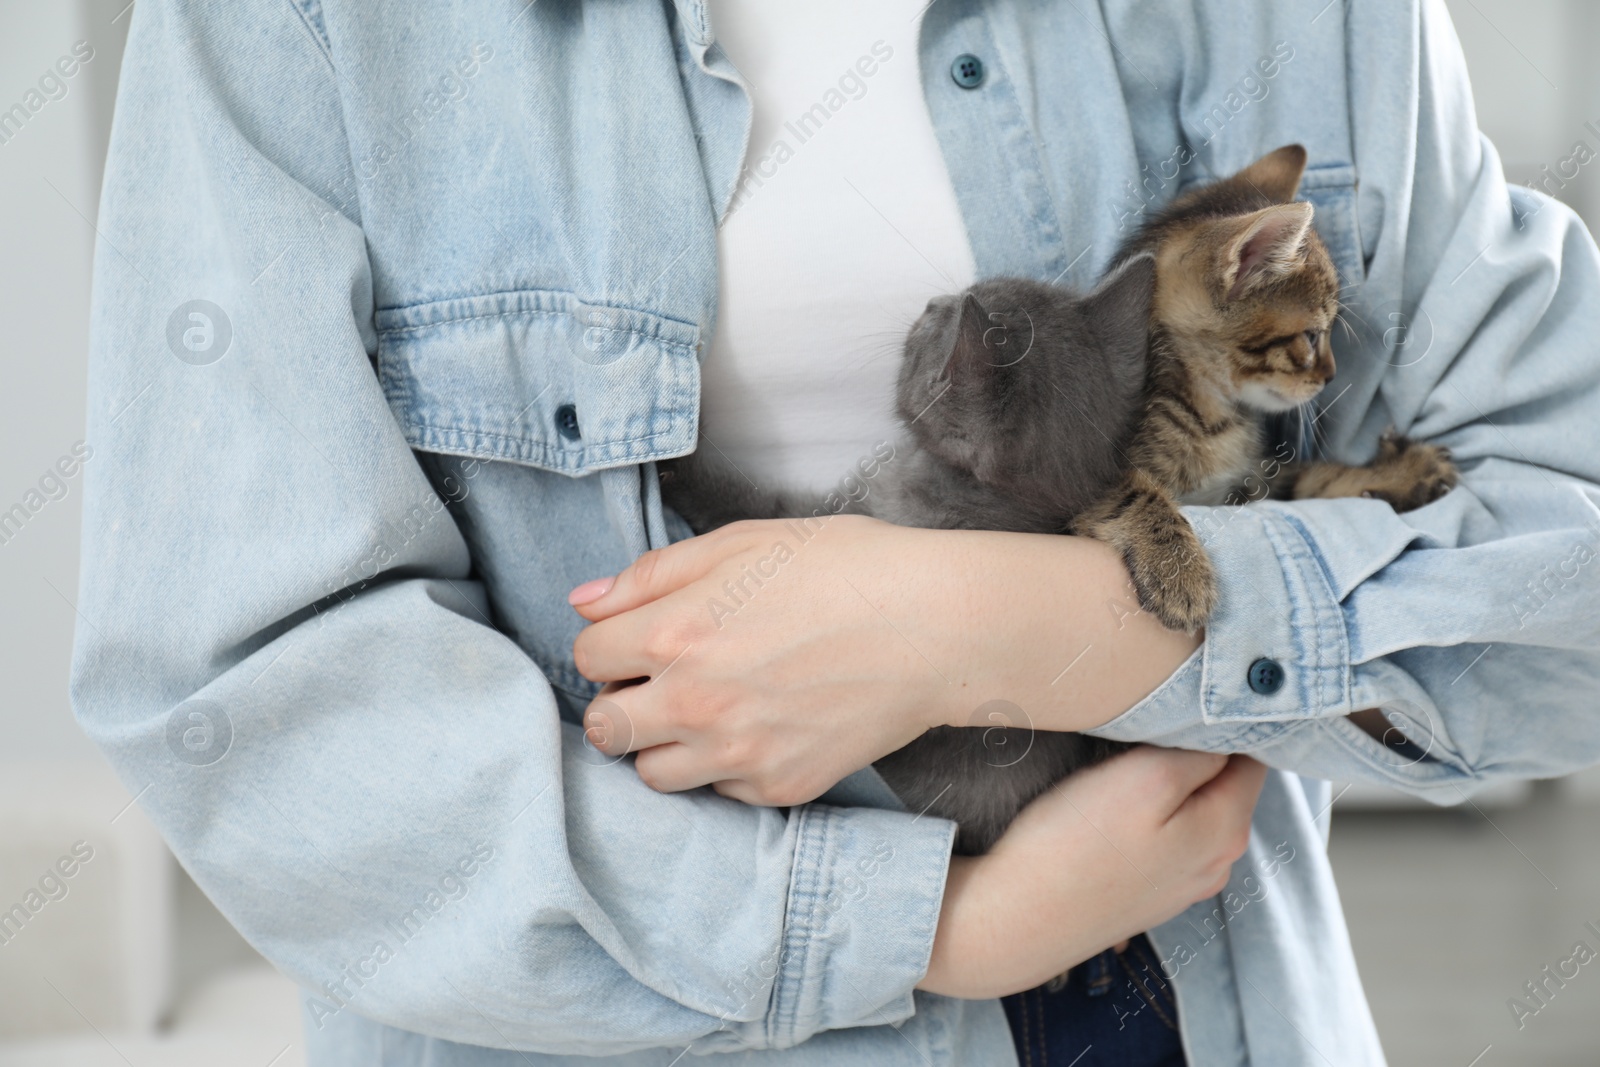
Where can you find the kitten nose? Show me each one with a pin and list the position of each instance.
(1325, 366)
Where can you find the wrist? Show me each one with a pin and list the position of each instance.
(952, 968)
(993, 938)
(1059, 632)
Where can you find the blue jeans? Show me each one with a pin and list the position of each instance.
(1115, 1010)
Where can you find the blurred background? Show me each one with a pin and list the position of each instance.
(1451, 911)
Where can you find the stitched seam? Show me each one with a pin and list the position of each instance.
(1329, 176)
(395, 381)
(1017, 130)
(1340, 196)
(563, 296)
(1437, 771)
(1305, 535)
(798, 926)
(1257, 734)
(512, 313)
(458, 431)
(314, 25)
(1027, 1046)
(1327, 626)
(316, 28)
(509, 314)
(1044, 1046)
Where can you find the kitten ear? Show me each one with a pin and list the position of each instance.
(1265, 244)
(1120, 305)
(975, 347)
(1118, 311)
(1276, 174)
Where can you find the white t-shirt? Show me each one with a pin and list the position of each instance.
(843, 226)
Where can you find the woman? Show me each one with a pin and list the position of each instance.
(397, 309)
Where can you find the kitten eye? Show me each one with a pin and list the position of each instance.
(1312, 337)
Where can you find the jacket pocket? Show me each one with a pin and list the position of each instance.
(541, 378)
(1331, 190)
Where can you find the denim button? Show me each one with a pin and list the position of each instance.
(567, 422)
(967, 70)
(1266, 676)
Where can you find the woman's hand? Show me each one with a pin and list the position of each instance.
(773, 658)
(1111, 851)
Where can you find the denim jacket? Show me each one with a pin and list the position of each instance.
(395, 306)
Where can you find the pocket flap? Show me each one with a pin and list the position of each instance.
(541, 378)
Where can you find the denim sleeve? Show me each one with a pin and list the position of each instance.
(369, 779)
(1471, 622)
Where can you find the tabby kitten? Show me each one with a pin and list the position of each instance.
(1246, 294)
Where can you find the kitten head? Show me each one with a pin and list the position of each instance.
(1242, 275)
(1029, 387)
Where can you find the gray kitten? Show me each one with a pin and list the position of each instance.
(1017, 401)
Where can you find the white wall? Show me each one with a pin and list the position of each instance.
(48, 188)
(103, 949)
(1537, 83)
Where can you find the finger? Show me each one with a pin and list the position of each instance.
(1229, 797)
(654, 574)
(1240, 781)
(623, 719)
(758, 797)
(738, 789)
(1179, 772)
(641, 643)
(673, 767)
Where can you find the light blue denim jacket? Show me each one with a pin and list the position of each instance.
(458, 265)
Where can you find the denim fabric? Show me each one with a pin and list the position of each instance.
(459, 264)
(1115, 1010)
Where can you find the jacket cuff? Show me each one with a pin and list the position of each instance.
(864, 901)
(1276, 649)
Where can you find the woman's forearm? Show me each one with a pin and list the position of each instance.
(1116, 849)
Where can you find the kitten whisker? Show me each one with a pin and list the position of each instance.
(1319, 433)
(882, 343)
(1349, 330)
(1362, 329)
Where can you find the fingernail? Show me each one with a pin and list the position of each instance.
(589, 592)
(597, 729)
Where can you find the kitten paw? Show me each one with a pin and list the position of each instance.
(1178, 588)
(1408, 474)
(1169, 570)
